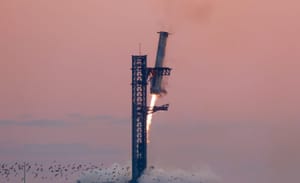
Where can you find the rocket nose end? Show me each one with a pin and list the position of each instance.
(164, 33)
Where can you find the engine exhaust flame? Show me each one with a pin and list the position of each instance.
(149, 116)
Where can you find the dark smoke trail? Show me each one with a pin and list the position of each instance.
(174, 13)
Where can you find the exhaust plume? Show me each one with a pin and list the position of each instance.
(149, 116)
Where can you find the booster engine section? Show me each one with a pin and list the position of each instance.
(158, 70)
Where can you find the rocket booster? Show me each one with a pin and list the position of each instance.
(156, 87)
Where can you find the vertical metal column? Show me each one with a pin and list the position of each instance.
(139, 115)
(156, 86)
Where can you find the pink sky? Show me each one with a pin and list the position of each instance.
(234, 90)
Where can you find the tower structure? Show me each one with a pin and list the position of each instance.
(139, 116)
(140, 75)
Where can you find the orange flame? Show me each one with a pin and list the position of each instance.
(149, 116)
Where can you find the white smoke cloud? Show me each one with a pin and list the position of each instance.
(155, 175)
(122, 174)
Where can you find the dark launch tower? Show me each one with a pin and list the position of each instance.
(140, 75)
(139, 116)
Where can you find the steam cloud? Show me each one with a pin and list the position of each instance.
(121, 174)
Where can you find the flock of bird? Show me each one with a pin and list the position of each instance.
(85, 173)
(114, 174)
(10, 172)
